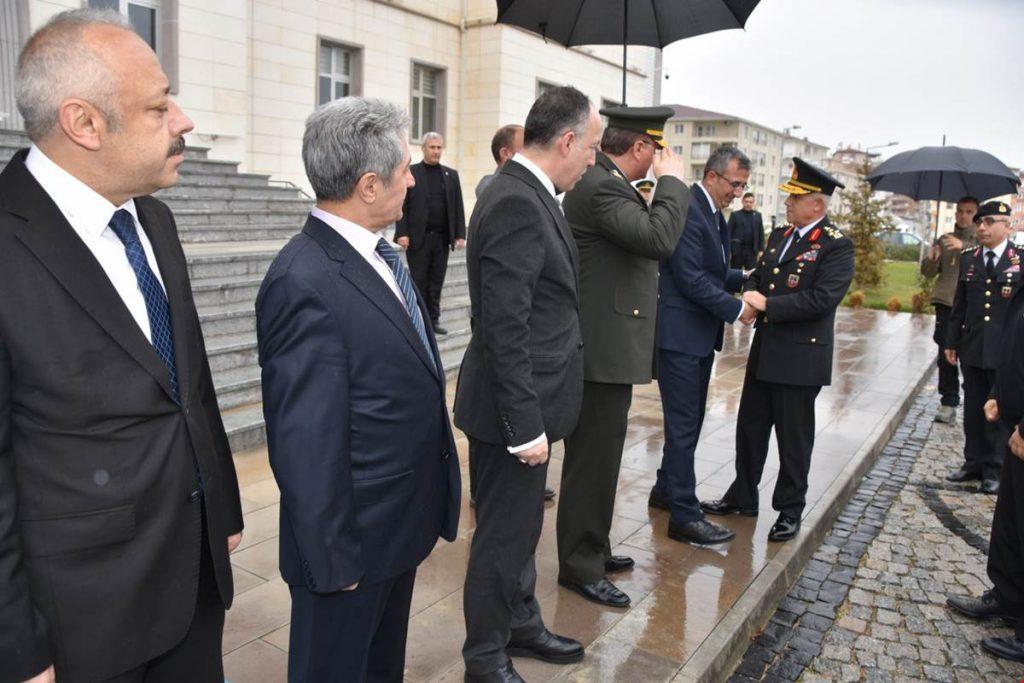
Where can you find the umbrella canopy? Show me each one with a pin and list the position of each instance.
(944, 174)
(654, 23)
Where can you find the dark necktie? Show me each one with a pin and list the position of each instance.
(990, 262)
(391, 258)
(157, 309)
(723, 233)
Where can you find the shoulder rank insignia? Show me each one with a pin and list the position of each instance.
(615, 172)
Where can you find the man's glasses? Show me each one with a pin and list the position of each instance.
(736, 184)
(989, 221)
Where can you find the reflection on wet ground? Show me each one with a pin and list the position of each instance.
(679, 592)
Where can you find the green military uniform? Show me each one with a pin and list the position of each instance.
(620, 240)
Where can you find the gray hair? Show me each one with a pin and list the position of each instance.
(720, 158)
(56, 64)
(427, 137)
(348, 138)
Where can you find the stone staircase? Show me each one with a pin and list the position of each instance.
(231, 225)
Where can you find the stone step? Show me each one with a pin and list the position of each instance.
(226, 179)
(252, 205)
(232, 289)
(231, 351)
(188, 189)
(230, 259)
(237, 387)
(13, 138)
(244, 426)
(238, 232)
(196, 152)
(227, 319)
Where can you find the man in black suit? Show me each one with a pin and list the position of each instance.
(118, 497)
(433, 223)
(349, 362)
(804, 275)
(521, 381)
(746, 235)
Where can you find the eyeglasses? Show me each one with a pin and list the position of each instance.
(736, 184)
(989, 221)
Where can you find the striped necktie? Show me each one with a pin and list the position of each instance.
(394, 262)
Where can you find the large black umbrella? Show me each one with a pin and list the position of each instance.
(944, 174)
(654, 23)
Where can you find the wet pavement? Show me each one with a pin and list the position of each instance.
(871, 604)
(680, 593)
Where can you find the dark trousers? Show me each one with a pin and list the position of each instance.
(984, 442)
(949, 373)
(790, 409)
(590, 477)
(683, 380)
(427, 266)
(498, 600)
(1006, 545)
(197, 657)
(356, 635)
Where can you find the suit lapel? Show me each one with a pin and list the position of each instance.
(712, 219)
(58, 247)
(363, 277)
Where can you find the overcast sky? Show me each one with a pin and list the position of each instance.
(867, 72)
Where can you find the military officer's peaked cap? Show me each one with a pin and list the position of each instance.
(647, 120)
(645, 184)
(808, 178)
(992, 209)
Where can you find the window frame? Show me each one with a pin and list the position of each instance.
(355, 82)
(440, 97)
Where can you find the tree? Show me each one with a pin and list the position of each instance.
(864, 221)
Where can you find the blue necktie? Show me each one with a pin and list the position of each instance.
(394, 262)
(159, 312)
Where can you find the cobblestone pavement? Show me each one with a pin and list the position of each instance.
(870, 605)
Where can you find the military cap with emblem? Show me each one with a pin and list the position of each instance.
(992, 209)
(645, 184)
(647, 120)
(808, 178)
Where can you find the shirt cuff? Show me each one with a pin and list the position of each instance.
(528, 445)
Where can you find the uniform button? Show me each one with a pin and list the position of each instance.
(988, 281)
(988, 305)
(988, 293)
(775, 271)
(814, 340)
(771, 286)
(636, 311)
(986, 318)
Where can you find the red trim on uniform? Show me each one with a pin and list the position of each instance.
(788, 232)
(815, 234)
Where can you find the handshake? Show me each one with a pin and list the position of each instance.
(753, 303)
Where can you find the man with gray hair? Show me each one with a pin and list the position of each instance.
(433, 224)
(349, 362)
(118, 497)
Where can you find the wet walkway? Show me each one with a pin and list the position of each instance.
(693, 608)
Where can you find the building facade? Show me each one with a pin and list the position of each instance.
(249, 72)
(694, 133)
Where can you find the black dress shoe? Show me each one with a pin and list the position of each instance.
(1004, 648)
(724, 507)
(547, 647)
(505, 674)
(785, 528)
(549, 494)
(618, 563)
(603, 592)
(702, 531)
(658, 499)
(962, 475)
(985, 607)
(989, 486)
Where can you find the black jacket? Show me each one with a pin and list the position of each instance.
(413, 223)
(1009, 386)
(746, 234)
(803, 291)
(99, 513)
(976, 322)
(357, 425)
(523, 370)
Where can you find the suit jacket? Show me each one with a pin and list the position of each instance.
(522, 374)
(804, 289)
(413, 223)
(746, 237)
(99, 507)
(697, 284)
(980, 305)
(620, 241)
(357, 425)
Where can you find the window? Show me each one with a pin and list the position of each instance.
(677, 149)
(680, 127)
(544, 86)
(700, 150)
(706, 131)
(142, 15)
(337, 72)
(608, 104)
(427, 100)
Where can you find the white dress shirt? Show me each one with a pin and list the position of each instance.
(364, 242)
(798, 235)
(550, 186)
(997, 252)
(89, 215)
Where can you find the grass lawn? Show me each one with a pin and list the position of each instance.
(900, 281)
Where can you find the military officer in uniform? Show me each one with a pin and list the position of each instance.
(646, 189)
(797, 286)
(1005, 600)
(620, 240)
(989, 277)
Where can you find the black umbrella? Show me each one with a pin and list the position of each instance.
(944, 174)
(654, 23)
